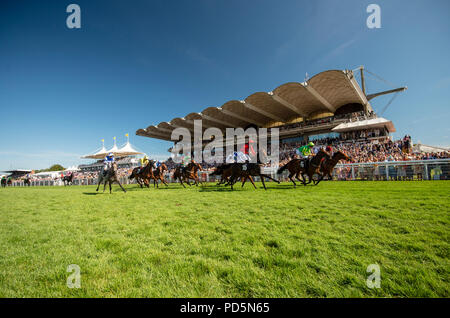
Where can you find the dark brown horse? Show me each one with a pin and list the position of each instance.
(27, 182)
(110, 177)
(158, 174)
(190, 172)
(68, 179)
(224, 171)
(327, 165)
(295, 168)
(245, 171)
(143, 175)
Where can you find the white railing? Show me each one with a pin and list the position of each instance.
(436, 169)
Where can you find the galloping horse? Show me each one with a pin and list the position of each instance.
(68, 179)
(188, 172)
(246, 171)
(27, 182)
(143, 175)
(313, 166)
(158, 174)
(3, 182)
(224, 171)
(295, 169)
(110, 177)
(327, 166)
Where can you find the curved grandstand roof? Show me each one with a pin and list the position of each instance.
(325, 92)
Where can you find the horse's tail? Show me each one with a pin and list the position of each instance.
(280, 170)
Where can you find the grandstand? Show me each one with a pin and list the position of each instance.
(331, 104)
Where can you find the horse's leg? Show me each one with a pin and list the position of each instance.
(290, 178)
(243, 180)
(262, 180)
(110, 187)
(310, 178)
(320, 179)
(251, 180)
(98, 185)
(269, 177)
(120, 185)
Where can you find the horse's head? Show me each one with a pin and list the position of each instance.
(342, 156)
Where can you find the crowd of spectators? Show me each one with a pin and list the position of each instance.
(377, 150)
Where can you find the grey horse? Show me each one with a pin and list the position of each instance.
(110, 177)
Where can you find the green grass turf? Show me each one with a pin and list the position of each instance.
(211, 242)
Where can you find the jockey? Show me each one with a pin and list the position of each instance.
(185, 160)
(329, 150)
(107, 163)
(305, 152)
(144, 161)
(246, 152)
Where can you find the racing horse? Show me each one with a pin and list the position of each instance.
(110, 177)
(27, 182)
(313, 166)
(224, 171)
(158, 174)
(68, 179)
(246, 171)
(327, 165)
(3, 182)
(143, 175)
(295, 169)
(187, 173)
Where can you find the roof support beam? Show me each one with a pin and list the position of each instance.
(221, 122)
(286, 104)
(161, 129)
(319, 97)
(191, 129)
(237, 116)
(358, 90)
(157, 135)
(262, 112)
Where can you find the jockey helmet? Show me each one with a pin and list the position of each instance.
(310, 144)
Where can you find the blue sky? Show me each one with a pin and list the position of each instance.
(136, 63)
